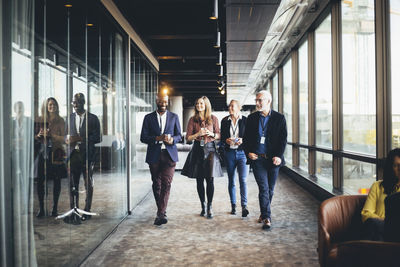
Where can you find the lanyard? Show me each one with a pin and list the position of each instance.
(263, 125)
(234, 129)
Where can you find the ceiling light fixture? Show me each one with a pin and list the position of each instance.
(222, 92)
(214, 15)
(218, 41)
(219, 63)
(221, 71)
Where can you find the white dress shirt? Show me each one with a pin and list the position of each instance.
(163, 118)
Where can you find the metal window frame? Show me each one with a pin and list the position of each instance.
(295, 107)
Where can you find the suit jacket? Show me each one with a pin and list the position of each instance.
(151, 129)
(226, 130)
(276, 135)
(93, 135)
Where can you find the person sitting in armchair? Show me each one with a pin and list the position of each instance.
(373, 212)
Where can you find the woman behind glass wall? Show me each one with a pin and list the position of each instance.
(203, 163)
(49, 153)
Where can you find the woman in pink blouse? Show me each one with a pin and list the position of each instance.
(203, 162)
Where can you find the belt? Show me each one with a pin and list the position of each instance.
(164, 150)
(265, 156)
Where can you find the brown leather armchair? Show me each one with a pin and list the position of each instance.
(339, 234)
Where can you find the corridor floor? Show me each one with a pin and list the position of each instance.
(226, 240)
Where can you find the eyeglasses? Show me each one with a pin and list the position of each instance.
(259, 100)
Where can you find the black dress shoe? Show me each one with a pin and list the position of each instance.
(233, 210)
(203, 209)
(163, 220)
(157, 221)
(245, 212)
(40, 213)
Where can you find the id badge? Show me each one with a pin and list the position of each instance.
(202, 142)
(262, 140)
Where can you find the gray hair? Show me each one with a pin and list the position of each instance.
(266, 94)
(237, 103)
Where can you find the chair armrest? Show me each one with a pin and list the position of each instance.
(339, 220)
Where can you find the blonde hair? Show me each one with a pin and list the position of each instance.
(237, 103)
(207, 112)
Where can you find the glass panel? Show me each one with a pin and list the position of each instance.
(288, 155)
(303, 93)
(323, 84)
(358, 176)
(303, 159)
(358, 50)
(275, 95)
(324, 171)
(21, 131)
(287, 97)
(395, 69)
(140, 175)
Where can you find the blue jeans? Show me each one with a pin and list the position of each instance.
(266, 175)
(237, 159)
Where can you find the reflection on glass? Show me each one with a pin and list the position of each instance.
(358, 176)
(395, 69)
(287, 97)
(21, 134)
(358, 55)
(323, 84)
(324, 171)
(275, 96)
(288, 155)
(303, 159)
(303, 93)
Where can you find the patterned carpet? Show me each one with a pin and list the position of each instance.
(226, 240)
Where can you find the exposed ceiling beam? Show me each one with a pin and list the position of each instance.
(276, 3)
(240, 61)
(173, 73)
(180, 37)
(185, 57)
(244, 41)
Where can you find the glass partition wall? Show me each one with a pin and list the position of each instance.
(67, 106)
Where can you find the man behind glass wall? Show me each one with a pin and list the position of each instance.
(264, 142)
(83, 132)
(161, 131)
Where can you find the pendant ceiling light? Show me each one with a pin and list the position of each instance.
(221, 71)
(219, 63)
(218, 40)
(214, 14)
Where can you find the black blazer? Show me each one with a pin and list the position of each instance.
(276, 135)
(93, 136)
(226, 127)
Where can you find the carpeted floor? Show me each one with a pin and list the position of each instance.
(225, 240)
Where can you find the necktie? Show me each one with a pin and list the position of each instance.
(160, 125)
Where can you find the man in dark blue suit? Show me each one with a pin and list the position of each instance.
(161, 131)
(264, 142)
(83, 132)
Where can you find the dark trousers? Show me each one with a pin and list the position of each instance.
(373, 229)
(78, 165)
(162, 173)
(266, 175)
(47, 171)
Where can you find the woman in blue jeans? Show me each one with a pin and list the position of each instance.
(232, 130)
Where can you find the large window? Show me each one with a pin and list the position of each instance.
(303, 104)
(395, 69)
(323, 84)
(323, 168)
(275, 94)
(287, 106)
(358, 70)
